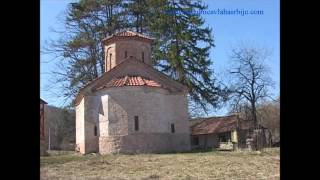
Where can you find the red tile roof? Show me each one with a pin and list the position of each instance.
(131, 33)
(130, 81)
(218, 125)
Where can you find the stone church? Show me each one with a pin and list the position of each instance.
(132, 107)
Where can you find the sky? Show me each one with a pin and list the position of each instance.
(229, 30)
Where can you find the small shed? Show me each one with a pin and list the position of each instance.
(226, 132)
(43, 148)
(42, 103)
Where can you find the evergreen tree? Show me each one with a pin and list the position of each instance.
(137, 12)
(80, 49)
(181, 48)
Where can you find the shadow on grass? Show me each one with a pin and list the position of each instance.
(70, 156)
(61, 159)
(172, 152)
(265, 151)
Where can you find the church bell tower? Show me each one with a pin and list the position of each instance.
(120, 46)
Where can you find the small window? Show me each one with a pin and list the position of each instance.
(95, 131)
(195, 140)
(125, 54)
(142, 56)
(172, 128)
(136, 123)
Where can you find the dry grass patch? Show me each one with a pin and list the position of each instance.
(206, 165)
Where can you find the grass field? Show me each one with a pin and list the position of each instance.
(196, 165)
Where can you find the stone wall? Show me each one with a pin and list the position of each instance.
(145, 143)
(92, 105)
(133, 47)
(156, 108)
(113, 110)
(109, 64)
(80, 139)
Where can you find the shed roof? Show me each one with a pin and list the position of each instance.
(42, 101)
(214, 125)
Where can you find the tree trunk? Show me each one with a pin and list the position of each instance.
(270, 138)
(254, 115)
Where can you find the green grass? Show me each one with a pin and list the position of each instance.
(193, 165)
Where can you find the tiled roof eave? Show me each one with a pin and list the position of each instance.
(213, 132)
(128, 34)
(105, 87)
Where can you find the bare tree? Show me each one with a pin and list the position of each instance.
(195, 110)
(78, 51)
(269, 116)
(250, 79)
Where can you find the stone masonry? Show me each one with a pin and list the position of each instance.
(106, 117)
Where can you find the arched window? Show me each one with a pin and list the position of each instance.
(108, 59)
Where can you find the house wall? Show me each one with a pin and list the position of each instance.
(207, 141)
(213, 140)
(115, 108)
